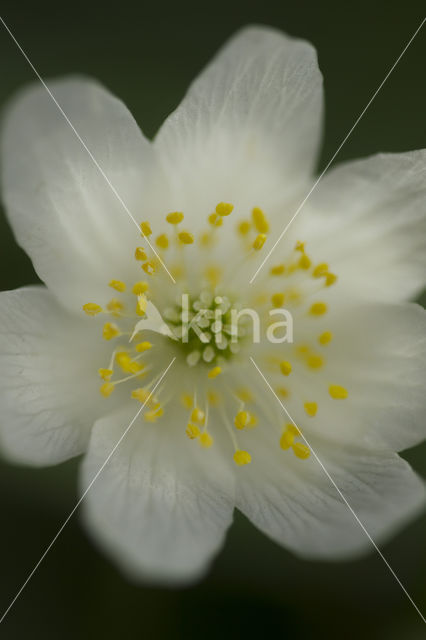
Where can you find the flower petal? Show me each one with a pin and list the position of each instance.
(62, 210)
(48, 386)
(294, 502)
(378, 354)
(248, 129)
(368, 220)
(161, 505)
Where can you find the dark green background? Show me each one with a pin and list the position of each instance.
(147, 53)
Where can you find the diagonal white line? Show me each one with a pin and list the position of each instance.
(345, 139)
(341, 495)
(92, 157)
(86, 491)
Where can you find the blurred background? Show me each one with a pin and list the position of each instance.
(147, 53)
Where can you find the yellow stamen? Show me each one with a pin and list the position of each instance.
(198, 415)
(141, 305)
(149, 267)
(205, 440)
(278, 270)
(242, 419)
(106, 389)
(242, 457)
(143, 346)
(318, 309)
(293, 429)
(315, 361)
(304, 262)
(105, 374)
(91, 309)
(301, 451)
(283, 392)
(285, 367)
(213, 373)
(325, 337)
(259, 220)
(277, 299)
(115, 306)
(143, 395)
(300, 246)
(118, 285)
(175, 217)
(145, 228)
(127, 364)
(330, 279)
(286, 440)
(110, 330)
(186, 400)
(224, 208)
(215, 219)
(153, 414)
(244, 227)
(338, 392)
(140, 254)
(192, 431)
(162, 241)
(311, 408)
(320, 270)
(259, 241)
(185, 237)
(244, 394)
(140, 287)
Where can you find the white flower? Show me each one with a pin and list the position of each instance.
(247, 133)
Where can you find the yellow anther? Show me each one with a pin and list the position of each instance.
(153, 414)
(106, 389)
(213, 373)
(127, 364)
(205, 440)
(244, 227)
(293, 429)
(244, 394)
(105, 373)
(115, 306)
(149, 267)
(283, 392)
(252, 422)
(301, 451)
(224, 208)
(143, 395)
(311, 408)
(192, 431)
(320, 270)
(318, 309)
(259, 220)
(206, 239)
(213, 275)
(110, 330)
(145, 228)
(286, 440)
(330, 279)
(242, 419)
(143, 346)
(325, 337)
(303, 349)
(315, 361)
(215, 219)
(300, 246)
(337, 392)
(175, 217)
(141, 305)
(277, 299)
(92, 309)
(140, 254)
(242, 457)
(198, 415)
(278, 270)
(285, 367)
(140, 287)
(304, 261)
(162, 241)
(213, 398)
(259, 241)
(118, 285)
(185, 237)
(186, 400)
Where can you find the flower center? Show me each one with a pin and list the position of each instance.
(203, 320)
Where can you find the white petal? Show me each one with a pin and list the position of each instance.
(48, 385)
(248, 129)
(378, 353)
(368, 220)
(295, 503)
(62, 210)
(162, 504)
